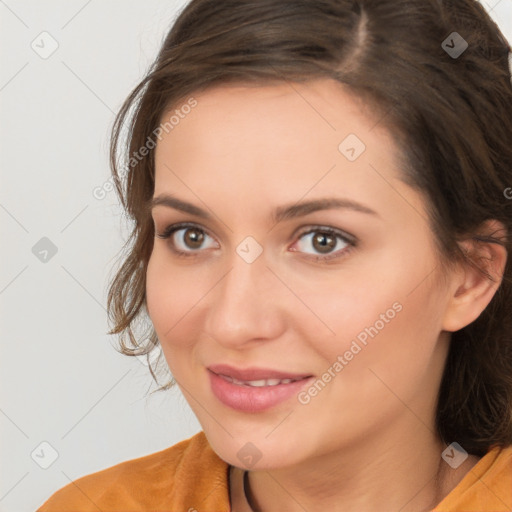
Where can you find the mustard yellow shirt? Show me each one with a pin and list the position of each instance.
(191, 477)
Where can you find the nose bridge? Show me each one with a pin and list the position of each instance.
(243, 305)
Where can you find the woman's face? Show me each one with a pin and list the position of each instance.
(345, 299)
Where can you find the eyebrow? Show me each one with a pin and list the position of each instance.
(281, 213)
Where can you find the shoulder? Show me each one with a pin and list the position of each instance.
(185, 476)
(486, 487)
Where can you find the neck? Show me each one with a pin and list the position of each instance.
(405, 474)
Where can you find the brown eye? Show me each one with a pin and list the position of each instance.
(324, 242)
(193, 238)
(185, 239)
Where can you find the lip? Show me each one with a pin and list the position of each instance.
(254, 373)
(251, 399)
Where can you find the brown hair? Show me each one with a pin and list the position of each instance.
(450, 115)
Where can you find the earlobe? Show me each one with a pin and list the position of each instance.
(476, 284)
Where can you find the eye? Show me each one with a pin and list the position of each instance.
(326, 243)
(186, 239)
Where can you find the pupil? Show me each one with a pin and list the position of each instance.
(324, 243)
(194, 238)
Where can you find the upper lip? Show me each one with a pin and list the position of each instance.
(248, 374)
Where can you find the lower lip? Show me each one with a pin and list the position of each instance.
(252, 398)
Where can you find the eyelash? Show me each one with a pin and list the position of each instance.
(348, 239)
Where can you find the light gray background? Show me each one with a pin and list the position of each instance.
(62, 382)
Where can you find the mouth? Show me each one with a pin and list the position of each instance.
(254, 389)
(255, 376)
(258, 383)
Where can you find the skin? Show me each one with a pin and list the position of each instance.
(367, 441)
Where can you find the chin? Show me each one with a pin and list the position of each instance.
(254, 454)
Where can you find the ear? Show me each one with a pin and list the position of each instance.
(470, 289)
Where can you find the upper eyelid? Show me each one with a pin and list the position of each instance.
(177, 226)
(172, 228)
(299, 232)
(319, 227)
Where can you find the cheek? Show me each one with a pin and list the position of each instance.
(169, 296)
(390, 357)
(175, 298)
(352, 307)
(386, 328)
(157, 300)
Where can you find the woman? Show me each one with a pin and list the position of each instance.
(321, 201)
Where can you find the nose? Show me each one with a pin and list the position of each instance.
(247, 305)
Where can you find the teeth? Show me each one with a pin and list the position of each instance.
(257, 383)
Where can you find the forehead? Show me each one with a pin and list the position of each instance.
(317, 111)
(278, 142)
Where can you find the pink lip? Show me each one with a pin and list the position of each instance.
(254, 373)
(254, 399)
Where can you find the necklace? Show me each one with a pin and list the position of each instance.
(246, 490)
(239, 490)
